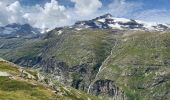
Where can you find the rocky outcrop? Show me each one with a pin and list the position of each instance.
(27, 61)
(107, 88)
(78, 76)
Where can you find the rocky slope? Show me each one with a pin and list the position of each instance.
(108, 21)
(139, 68)
(21, 83)
(64, 56)
(114, 63)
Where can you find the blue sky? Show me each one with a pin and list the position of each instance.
(53, 13)
(147, 4)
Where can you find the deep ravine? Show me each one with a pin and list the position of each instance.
(101, 67)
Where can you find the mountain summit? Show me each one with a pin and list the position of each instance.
(108, 15)
(108, 21)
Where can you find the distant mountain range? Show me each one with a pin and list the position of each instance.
(106, 21)
(18, 30)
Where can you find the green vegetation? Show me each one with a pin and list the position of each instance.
(85, 46)
(76, 46)
(140, 66)
(15, 87)
(8, 67)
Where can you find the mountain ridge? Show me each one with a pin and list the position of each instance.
(108, 21)
(19, 30)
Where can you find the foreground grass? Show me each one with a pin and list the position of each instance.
(15, 90)
(15, 87)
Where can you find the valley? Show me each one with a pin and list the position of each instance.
(88, 62)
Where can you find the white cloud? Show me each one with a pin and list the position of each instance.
(121, 8)
(15, 11)
(86, 7)
(154, 15)
(6, 2)
(11, 12)
(52, 14)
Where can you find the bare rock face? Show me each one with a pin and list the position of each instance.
(58, 70)
(76, 76)
(107, 88)
(26, 61)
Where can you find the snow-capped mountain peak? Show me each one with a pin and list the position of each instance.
(108, 15)
(108, 21)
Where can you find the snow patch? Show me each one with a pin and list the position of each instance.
(33, 32)
(17, 36)
(121, 24)
(60, 32)
(78, 29)
(124, 20)
(101, 20)
(115, 26)
(98, 24)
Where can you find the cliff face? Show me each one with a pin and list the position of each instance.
(79, 78)
(107, 88)
(76, 76)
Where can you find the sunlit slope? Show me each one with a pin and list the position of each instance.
(17, 83)
(75, 54)
(71, 46)
(140, 66)
(111, 63)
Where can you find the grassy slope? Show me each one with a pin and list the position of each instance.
(73, 47)
(140, 65)
(14, 87)
(85, 46)
(8, 44)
